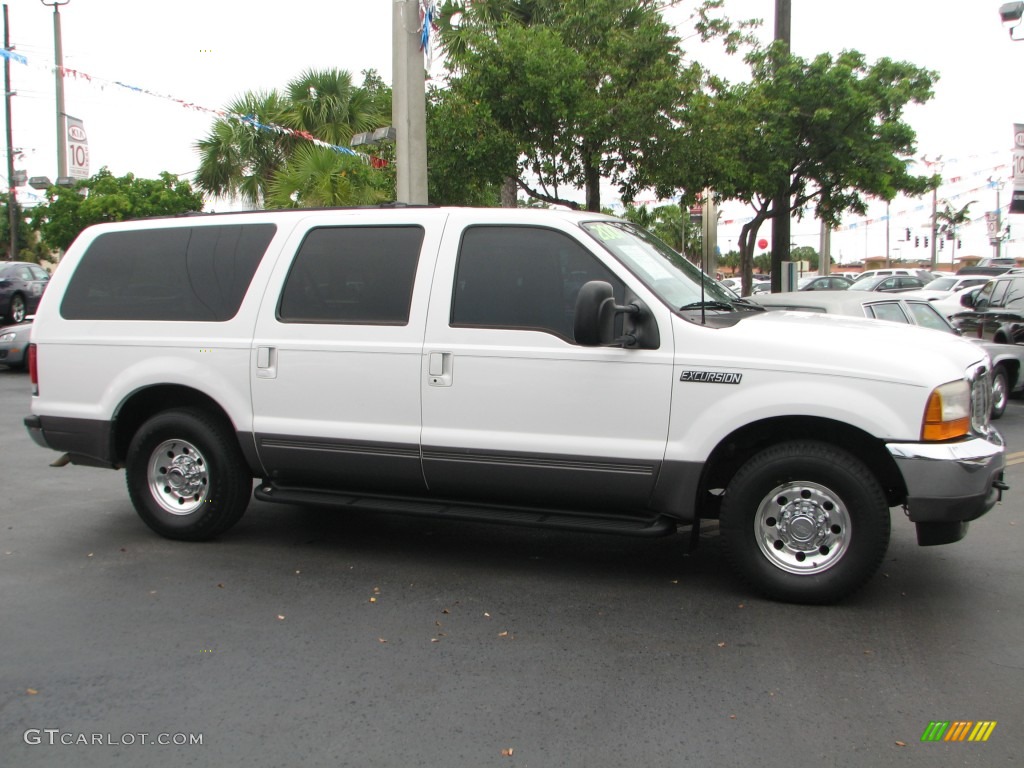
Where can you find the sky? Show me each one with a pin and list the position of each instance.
(169, 55)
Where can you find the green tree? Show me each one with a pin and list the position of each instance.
(952, 219)
(242, 155)
(832, 128)
(805, 253)
(576, 90)
(103, 198)
(468, 156)
(24, 229)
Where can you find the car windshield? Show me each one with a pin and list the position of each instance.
(867, 283)
(941, 284)
(674, 279)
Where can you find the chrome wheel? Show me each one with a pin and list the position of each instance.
(802, 527)
(1000, 392)
(178, 477)
(17, 312)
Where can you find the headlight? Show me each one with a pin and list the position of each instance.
(7, 337)
(948, 413)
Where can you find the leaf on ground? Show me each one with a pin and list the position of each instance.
(507, 752)
(31, 691)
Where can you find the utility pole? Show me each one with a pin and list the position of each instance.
(409, 103)
(12, 199)
(780, 224)
(58, 57)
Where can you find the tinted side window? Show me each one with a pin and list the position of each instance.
(182, 273)
(353, 275)
(1015, 293)
(998, 296)
(523, 278)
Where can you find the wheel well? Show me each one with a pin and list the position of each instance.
(145, 403)
(738, 447)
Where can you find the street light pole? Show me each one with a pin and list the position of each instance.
(12, 198)
(58, 57)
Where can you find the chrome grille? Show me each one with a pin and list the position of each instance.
(981, 398)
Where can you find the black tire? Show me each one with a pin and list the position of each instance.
(16, 310)
(1000, 391)
(207, 485)
(805, 522)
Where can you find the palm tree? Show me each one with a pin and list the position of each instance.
(952, 221)
(244, 153)
(238, 159)
(318, 176)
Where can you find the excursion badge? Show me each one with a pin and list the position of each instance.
(711, 377)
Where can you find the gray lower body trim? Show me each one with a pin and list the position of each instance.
(554, 480)
(87, 441)
(341, 464)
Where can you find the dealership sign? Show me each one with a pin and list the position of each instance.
(1017, 201)
(78, 148)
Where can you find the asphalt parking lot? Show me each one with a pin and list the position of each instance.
(315, 638)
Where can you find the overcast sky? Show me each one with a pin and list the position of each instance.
(206, 53)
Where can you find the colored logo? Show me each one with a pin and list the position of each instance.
(958, 730)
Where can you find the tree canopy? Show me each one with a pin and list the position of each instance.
(831, 129)
(574, 90)
(104, 198)
(254, 161)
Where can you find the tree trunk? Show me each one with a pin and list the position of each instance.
(593, 187)
(508, 193)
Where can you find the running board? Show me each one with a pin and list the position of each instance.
(534, 518)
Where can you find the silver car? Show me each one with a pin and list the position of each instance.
(1007, 359)
(13, 344)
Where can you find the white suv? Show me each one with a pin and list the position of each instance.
(545, 368)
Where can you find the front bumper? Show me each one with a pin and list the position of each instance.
(949, 484)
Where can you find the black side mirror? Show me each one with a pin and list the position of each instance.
(594, 319)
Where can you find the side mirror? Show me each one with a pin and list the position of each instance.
(967, 299)
(594, 319)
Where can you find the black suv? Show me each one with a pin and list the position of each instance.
(996, 312)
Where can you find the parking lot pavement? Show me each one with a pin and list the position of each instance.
(322, 638)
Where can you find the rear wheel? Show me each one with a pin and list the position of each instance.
(1000, 391)
(186, 475)
(805, 522)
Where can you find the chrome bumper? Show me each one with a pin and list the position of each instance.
(951, 482)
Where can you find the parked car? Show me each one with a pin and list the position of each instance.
(996, 312)
(1007, 359)
(953, 303)
(824, 283)
(21, 286)
(888, 283)
(924, 274)
(548, 368)
(13, 343)
(942, 287)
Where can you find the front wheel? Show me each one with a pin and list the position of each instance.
(1000, 391)
(186, 475)
(805, 522)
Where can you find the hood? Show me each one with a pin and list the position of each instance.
(840, 345)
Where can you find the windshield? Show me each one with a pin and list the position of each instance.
(941, 284)
(867, 284)
(674, 279)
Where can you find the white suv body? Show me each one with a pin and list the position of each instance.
(520, 366)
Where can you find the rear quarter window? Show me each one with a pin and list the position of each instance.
(197, 274)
